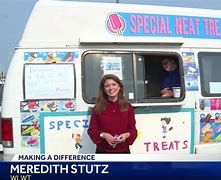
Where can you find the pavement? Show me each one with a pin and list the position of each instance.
(4, 157)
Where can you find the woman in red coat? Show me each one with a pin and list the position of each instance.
(112, 124)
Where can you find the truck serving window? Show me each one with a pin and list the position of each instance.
(49, 81)
(141, 73)
(152, 76)
(210, 74)
(98, 64)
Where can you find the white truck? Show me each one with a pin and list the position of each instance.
(66, 47)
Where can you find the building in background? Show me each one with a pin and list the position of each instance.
(2, 78)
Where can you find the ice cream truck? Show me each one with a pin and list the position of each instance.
(52, 81)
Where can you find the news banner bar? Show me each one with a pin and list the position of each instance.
(99, 166)
(117, 157)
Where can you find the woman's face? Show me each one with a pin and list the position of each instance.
(111, 88)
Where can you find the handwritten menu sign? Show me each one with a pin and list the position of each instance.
(49, 81)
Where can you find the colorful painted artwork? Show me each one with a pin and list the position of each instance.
(77, 139)
(210, 104)
(57, 106)
(204, 104)
(210, 128)
(165, 123)
(50, 57)
(32, 106)
(215, 103)
(190, 71)
(30, 112)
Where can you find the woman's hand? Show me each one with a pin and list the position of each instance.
(121, 138)
(109, 138)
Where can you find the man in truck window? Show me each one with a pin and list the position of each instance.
(171, 78)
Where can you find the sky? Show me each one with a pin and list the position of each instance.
(14, 15)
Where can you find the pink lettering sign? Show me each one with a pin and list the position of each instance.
(166, 145)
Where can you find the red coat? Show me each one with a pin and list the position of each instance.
(115, 122)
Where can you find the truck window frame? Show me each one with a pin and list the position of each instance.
(204, 72)
(86, 79)
(135, 55)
